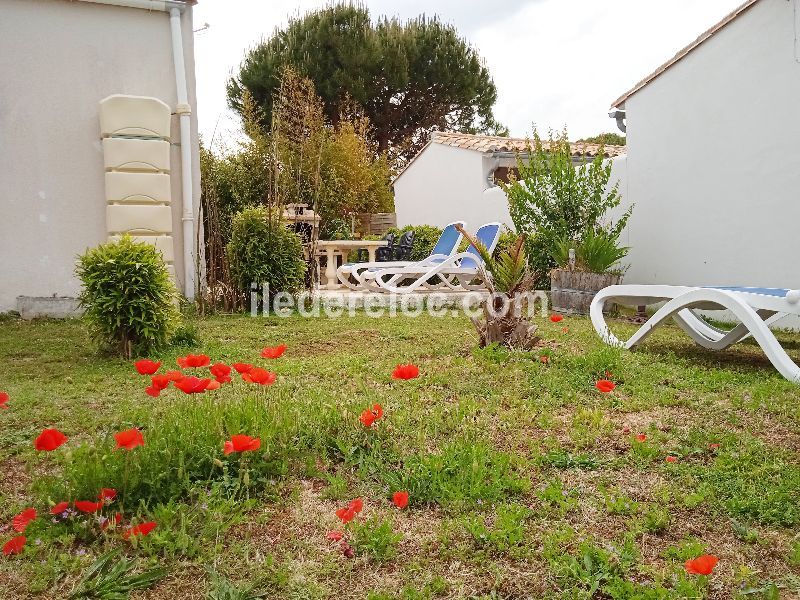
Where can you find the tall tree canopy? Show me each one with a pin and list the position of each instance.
(409, 78)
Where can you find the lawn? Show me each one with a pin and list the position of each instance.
(524, 480)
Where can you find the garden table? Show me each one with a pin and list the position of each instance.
(332, 248)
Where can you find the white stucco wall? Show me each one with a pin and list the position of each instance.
(713, 160)
(58, 59)
(445, 184)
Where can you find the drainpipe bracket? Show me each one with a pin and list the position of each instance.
(183, 109)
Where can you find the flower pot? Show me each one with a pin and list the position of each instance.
(573, 291)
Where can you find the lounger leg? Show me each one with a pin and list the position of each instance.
(750, 320)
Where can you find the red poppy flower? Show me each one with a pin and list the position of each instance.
(714, 446)
(346, 514)
(260, 376)
(641, 437)
(221, 372)
(174, 375)
(147, 366)
(129, 439)
(367, 418)
(556, 318)
(161, 381)
(273, 352)
(242, 367)
(334, 536)
(605, 386)
(49, 440)
(20, 522)
(213, 385)
(192, 385)
(14, 545)
(377, 410)
(193, 361)
(400, 499)
(241, 443)
(4, 399)
(152, 391)
(702, 565)
(356, 505)
(672, 459)
(544, 358)
(112, 521)
(142, 529)
(107, 494)
(409, 371)
(59, 508)
(87, 506)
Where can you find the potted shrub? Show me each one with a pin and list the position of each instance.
(585, 266)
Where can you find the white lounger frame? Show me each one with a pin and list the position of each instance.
(754, 311)
(358, 270)
(452, 275)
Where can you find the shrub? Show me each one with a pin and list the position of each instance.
(128, 296)
(262, 249)
(552, 199)
(425, 238)
(597, 252)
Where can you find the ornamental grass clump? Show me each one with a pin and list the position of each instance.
(128, 296)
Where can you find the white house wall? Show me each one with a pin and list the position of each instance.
(58, 59)
(445, 184)
(714, 161)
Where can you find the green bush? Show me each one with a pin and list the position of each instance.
(128, 296)
(425, 238)
(263, 249)
(553, 199)
(597, 252)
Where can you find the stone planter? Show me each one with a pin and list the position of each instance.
(573, 291)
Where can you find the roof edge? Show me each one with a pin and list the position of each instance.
(685, 51)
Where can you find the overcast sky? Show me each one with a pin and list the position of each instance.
(554, 62)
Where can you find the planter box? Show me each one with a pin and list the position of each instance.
(573, 291)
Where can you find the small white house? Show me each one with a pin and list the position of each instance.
(713, 163)
(99, 138)
(454, 178)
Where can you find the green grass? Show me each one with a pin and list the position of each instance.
(524, 480)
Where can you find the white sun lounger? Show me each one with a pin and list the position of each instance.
(446, 245)
(461, 268)
(755, 309)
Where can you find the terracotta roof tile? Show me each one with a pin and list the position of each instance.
(491, 143)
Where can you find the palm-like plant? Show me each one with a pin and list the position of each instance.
(506, 276)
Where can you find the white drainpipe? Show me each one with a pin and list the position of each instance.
(184, 111)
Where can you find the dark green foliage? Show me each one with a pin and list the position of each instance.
(425, 238)
(439, 78)
(263, 249)
(607, 139)
(128, 296)
(376, 538)
(110, 578)
(553, 200)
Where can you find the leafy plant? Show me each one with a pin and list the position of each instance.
(128, 296)
(263, 249)
(376, 538)
(507, 531)
(110, 577)
(596, 252)
(553, 199)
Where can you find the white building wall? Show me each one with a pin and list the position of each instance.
(713, 160)
(445, 184)
(58, 59)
